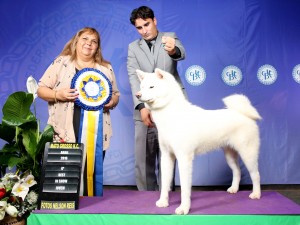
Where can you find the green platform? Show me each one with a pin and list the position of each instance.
(117, 219)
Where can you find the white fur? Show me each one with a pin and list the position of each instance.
(185, 130)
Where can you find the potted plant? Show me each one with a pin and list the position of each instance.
(22, 150)
(20, 129)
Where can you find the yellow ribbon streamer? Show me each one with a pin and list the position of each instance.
(90, 141)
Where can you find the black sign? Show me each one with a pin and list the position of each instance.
(60, 181)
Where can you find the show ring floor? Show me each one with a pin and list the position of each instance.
(138, 207)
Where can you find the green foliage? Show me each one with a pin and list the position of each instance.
(25, 144)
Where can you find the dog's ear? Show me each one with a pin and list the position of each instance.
(160, 73)
(140, 74)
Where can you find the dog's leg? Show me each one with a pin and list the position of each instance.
(167, 168)
(185, 164)
(250, 159)
(256, 192)
(252, 166)
(232, 161)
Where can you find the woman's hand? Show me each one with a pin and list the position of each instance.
(63, 95)
(112, 103)
(66, 95)
(109, 105)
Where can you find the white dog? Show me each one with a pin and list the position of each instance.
(185, 130)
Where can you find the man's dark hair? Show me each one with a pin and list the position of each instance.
(143, 12)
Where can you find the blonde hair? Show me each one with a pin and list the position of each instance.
(70, 47)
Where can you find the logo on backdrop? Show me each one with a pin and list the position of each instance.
(267, 74)
(296, 73)
(195, 75)
(232, 75)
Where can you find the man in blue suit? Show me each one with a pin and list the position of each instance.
(154, 49)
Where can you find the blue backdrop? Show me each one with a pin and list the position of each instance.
(233, 46)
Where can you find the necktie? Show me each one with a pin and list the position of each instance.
(152, 46)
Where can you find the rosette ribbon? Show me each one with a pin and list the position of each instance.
(95, 90)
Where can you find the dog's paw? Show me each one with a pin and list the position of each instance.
(232, 190)
(182, 210)
(255, 195)
(162, 203)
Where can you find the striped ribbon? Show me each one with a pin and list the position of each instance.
(91, 135)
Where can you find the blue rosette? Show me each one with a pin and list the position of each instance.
(95, 89)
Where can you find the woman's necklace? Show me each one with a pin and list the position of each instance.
(85, 65)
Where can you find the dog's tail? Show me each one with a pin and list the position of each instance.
(242, 104)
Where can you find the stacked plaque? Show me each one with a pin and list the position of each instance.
(60, 179)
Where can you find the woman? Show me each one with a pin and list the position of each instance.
(82, 51)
